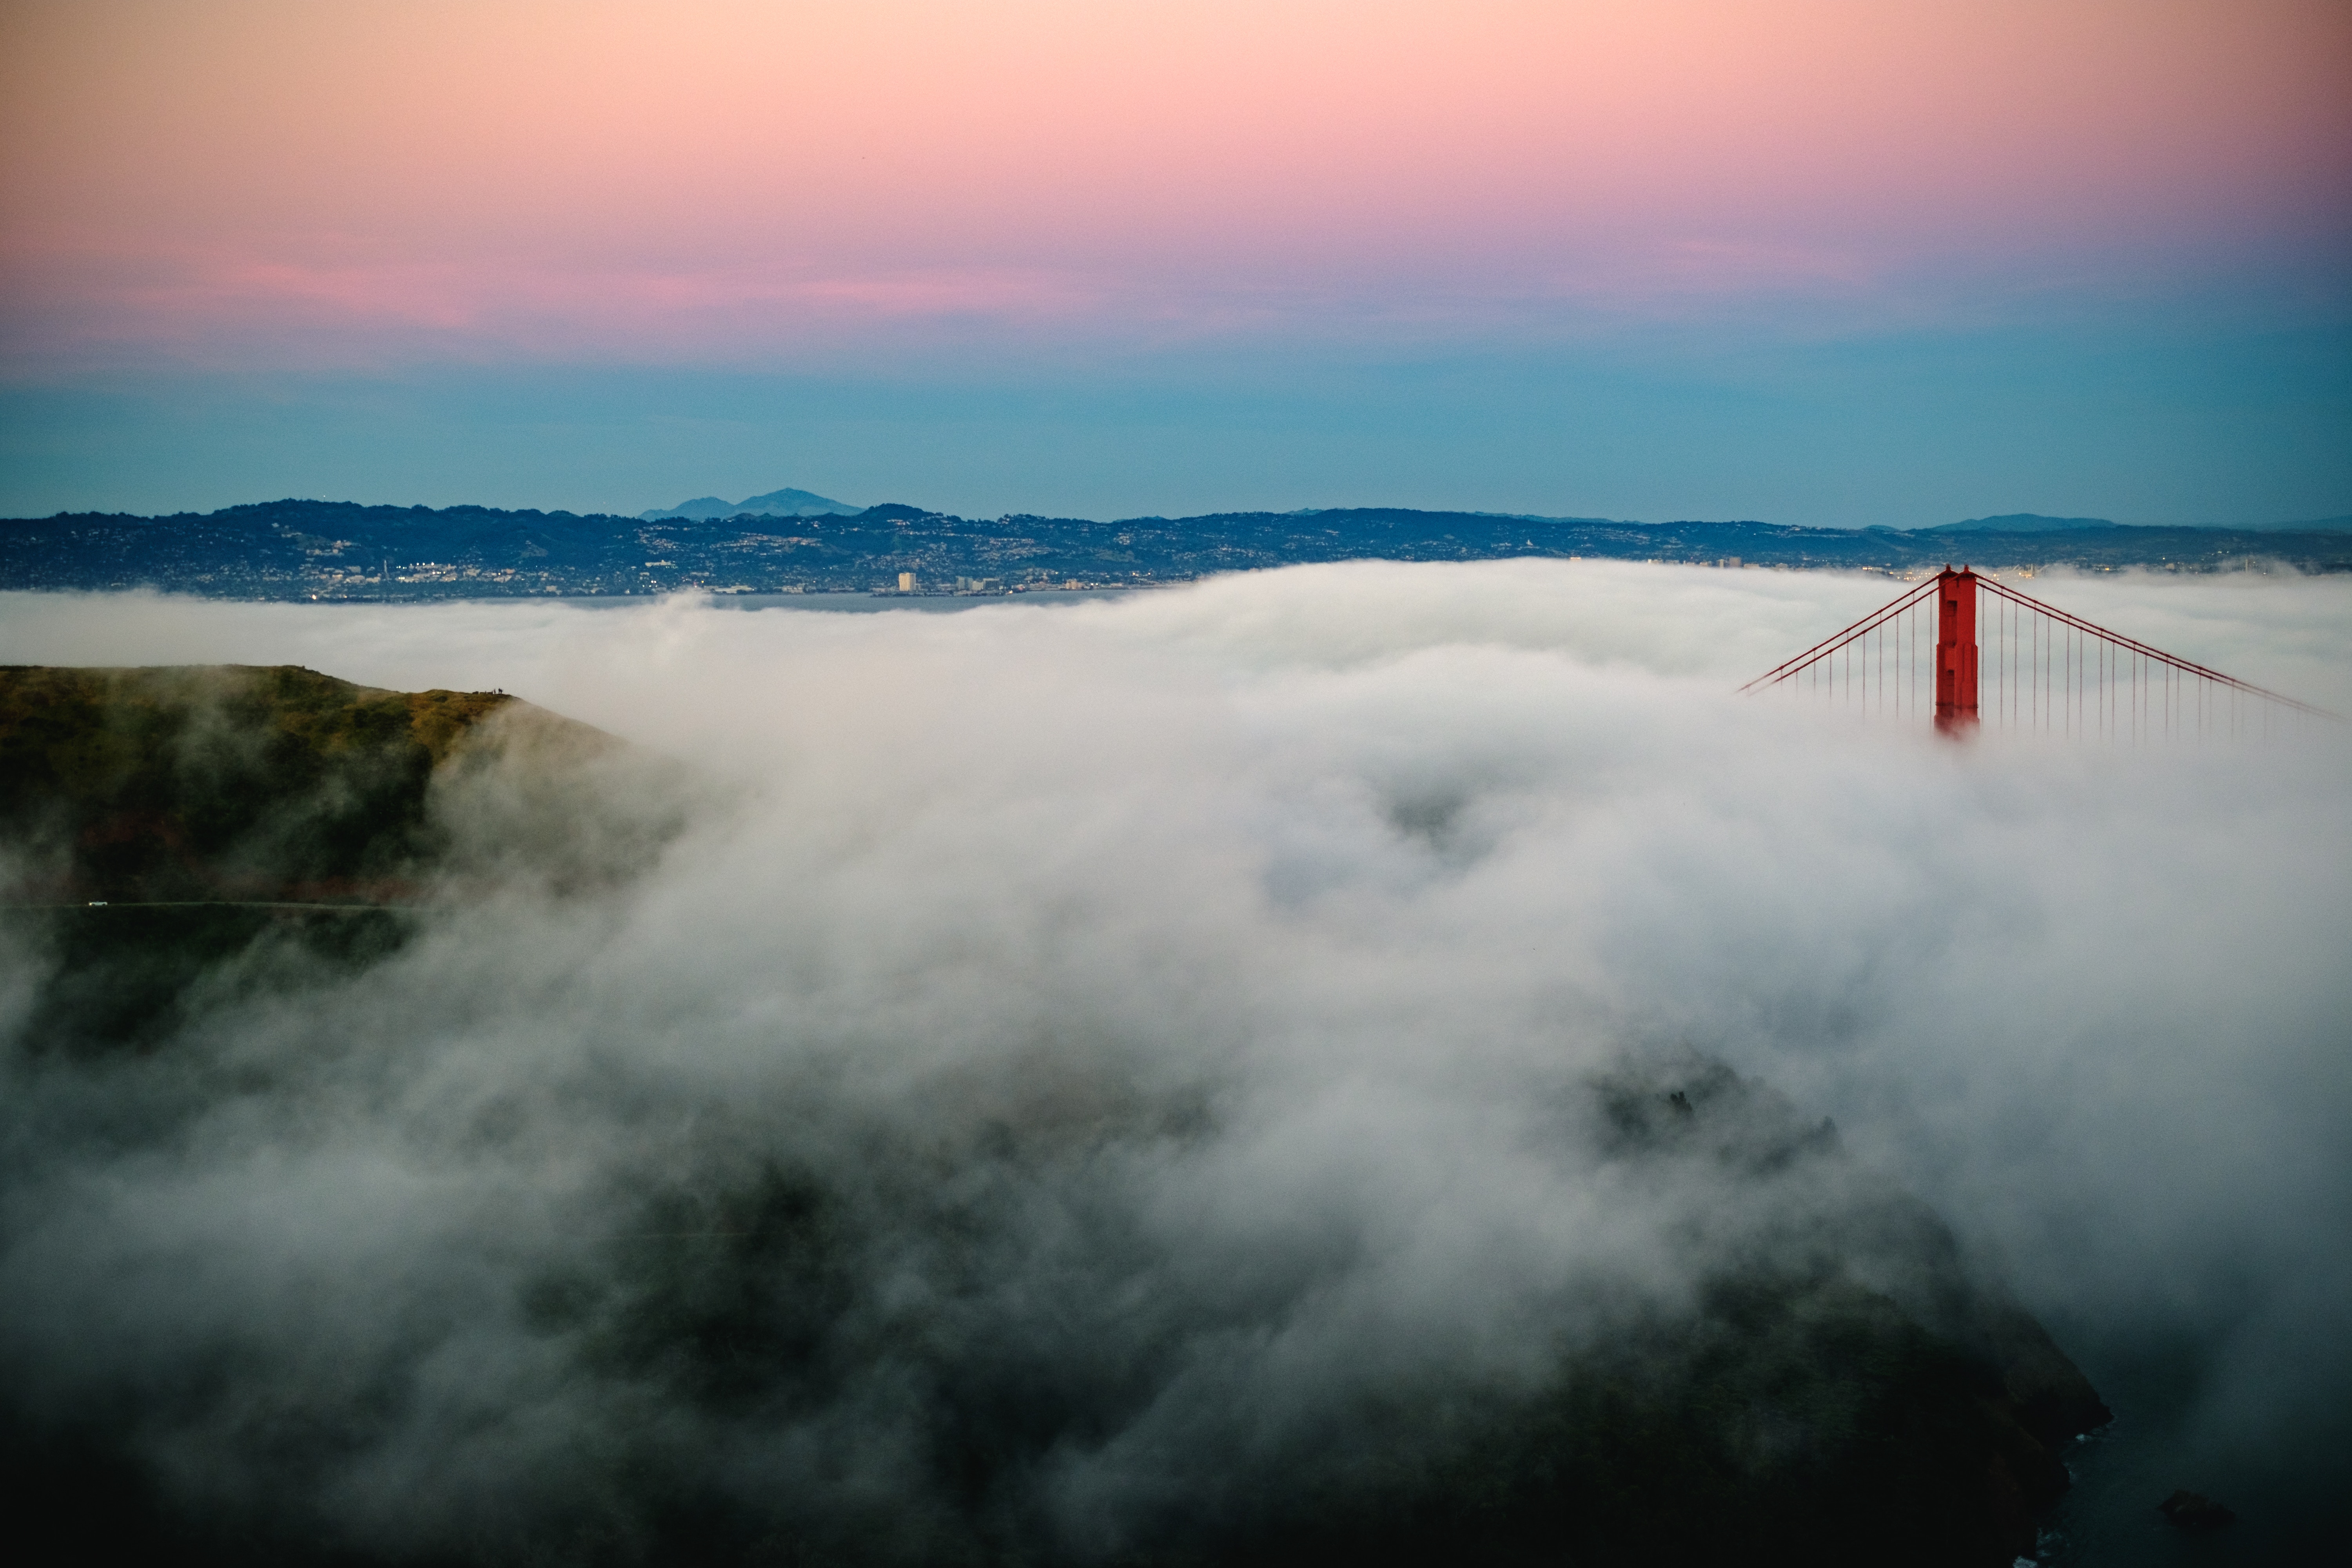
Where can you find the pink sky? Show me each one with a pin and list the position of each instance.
(285, 178)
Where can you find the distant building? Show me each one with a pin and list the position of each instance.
(906, 582)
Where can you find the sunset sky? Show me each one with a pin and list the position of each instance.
(1820, 261)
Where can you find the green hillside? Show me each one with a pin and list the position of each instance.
(220, 783)
(174, 832)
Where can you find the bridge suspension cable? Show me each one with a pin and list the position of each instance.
(1966, 650)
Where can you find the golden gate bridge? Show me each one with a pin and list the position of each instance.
(1967, 650)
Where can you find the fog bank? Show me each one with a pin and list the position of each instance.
(1223, 966)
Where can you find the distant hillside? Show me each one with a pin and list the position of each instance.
(775, 503)
(2033, 523)
(335, 550)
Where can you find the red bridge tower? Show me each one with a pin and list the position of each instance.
(1956, 651)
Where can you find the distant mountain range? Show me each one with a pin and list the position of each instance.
(2021, 523)
(337, 550)
(804, 503)
(775, 503)
(2034, 522)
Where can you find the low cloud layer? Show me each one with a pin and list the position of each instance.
(1203, 989)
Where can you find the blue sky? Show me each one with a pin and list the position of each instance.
(1825, 261)
(2143, 425)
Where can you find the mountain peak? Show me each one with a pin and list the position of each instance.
(786, 503)
(2021, 523)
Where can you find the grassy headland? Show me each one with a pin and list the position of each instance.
(220, 783)
(160, 827)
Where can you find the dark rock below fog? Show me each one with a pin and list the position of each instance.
(2195, 1511)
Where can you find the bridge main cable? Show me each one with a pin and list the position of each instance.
(1862, 627)
(2137, 646)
